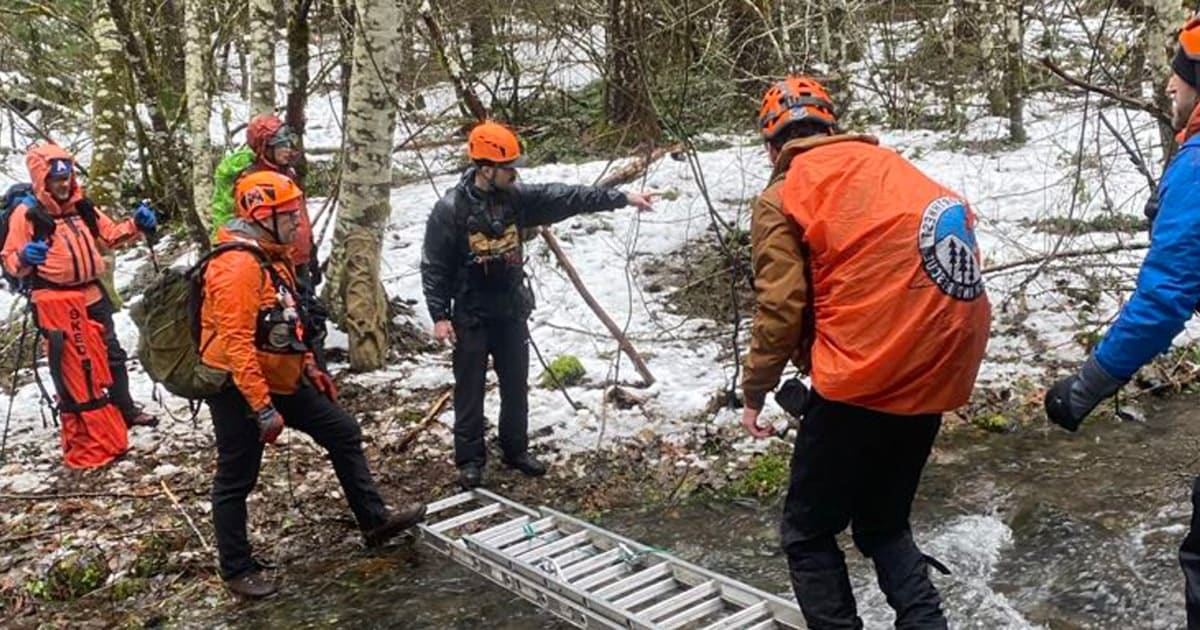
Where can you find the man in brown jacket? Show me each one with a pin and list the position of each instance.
(867, 277)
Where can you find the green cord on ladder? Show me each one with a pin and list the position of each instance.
(528, 531)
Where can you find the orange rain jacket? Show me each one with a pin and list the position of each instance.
(73, 259)
(863, 258)
(236, 292)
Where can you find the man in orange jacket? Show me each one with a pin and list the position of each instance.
(53, 242)
(251, 327)
(867, 276)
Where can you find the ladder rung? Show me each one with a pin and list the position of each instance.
(510, 537)
(657, 589)
(705, 608)
(743, 616)
(557, 546)
(576, 555)
(615, 572)
(502, 527)
(764, 625)
(531, 543)
(637, 579)
(449, 502)
(469, 517)
(686, 598)
(594, 563)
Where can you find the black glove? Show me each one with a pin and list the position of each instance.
(1151, 207)
(793, 397)
(1074, 397)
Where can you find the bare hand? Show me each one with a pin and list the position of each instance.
(750, 422)
(444, 331)
(643, 200)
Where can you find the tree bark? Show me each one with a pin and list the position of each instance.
(354, 290)
(1014, 79)
(1163, 18)
(297, 37)
(108, 128)
(261, 41)
(196, 48)
(627, 93)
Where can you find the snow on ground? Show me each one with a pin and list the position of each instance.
(1035, 322)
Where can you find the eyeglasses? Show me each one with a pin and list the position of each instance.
(1189, 38)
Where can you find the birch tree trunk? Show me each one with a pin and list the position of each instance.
(1014, 79)
(195, 48)
(108, 112)
(261, 41)
(108, 127)
(353, 288)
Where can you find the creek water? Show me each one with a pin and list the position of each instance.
(1042, 529)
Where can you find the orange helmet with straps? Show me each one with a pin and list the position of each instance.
(494, 143)
(262, 194)
(791, 100)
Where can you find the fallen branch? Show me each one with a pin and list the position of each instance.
(1103, 91)
(1077, 253)
(636, 168)
(187, 517)
(78, 495)
(427, 421)
(622, 339)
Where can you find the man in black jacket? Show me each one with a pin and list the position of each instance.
(472, 272)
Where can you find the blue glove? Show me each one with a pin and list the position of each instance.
(1074, 397)
(144, 218)
(34, 253)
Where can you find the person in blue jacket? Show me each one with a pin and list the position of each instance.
(1168, 289)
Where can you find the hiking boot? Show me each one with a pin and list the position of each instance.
(527, 464)
(254, 585)
(470, 476)
(140, 418)
(394, 524)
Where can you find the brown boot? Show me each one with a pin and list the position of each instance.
(140, 418)
(255, 585)
(395, 523)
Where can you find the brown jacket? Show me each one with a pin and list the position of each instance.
(783, 322)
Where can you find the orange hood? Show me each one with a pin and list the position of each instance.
(38, 160)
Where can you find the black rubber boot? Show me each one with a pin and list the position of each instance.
(822, 587)
(903, 573)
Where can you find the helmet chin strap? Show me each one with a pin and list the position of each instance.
(273, 231)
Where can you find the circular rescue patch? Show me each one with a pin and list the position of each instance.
(948, 250)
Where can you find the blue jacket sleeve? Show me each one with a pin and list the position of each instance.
(1168, 284)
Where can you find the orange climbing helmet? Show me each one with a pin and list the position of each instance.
(791, 100)
(494, 144)
(262, 194)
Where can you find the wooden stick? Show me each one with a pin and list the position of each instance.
(1162, 118)
(612, 327)
(430, 417)
(186, 516)
(78, 495)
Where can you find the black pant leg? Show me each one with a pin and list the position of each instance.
(508, 342)
(895, 450)
(1189, 561)
(102, 312)
(470, 375)
(824, 475)
(336, 431)
(239, 455)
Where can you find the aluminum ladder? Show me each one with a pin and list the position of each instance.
(590, 577)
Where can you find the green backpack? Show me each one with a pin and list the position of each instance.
(168, 323)
(230, 168)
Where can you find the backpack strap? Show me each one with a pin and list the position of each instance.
(86, 209)
(196, 273)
